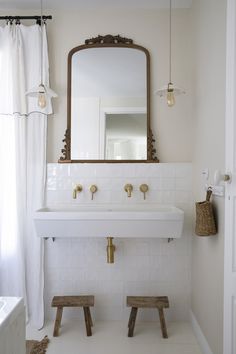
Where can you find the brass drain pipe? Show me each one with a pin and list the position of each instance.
(110, 250)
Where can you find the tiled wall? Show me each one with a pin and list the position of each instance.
(142, 266)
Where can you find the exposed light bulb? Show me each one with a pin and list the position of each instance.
(170, 98)
(170, 95)
(42, 102)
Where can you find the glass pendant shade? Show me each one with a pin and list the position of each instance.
(43, 93)
(170, 91)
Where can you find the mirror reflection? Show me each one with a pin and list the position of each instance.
(126, 136)
(109, 104)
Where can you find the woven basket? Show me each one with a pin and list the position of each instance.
(205, 221)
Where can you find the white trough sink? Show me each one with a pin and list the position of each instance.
(156, 221)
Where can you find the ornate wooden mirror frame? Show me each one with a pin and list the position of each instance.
(100, 42)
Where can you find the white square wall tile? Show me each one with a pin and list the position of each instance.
(110, 170)
(183, 170)
(116, 197)
(143, 170)
(108, 313)
(137, 288)
(184, 184)
(168, 184)
(154, 170)
(103, 300)
(153, 183)
(168, 197)
(51, 183)
(139, 248)
(63, 169)
(167, 170)
(64, 183)
(140, 274)
(137, 261)
(114, 184)
(58, 169)
(183, 197)
(80, 170)
(51, 169)
(154, 197)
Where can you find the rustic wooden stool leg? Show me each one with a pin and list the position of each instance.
(129, 323)
(57, 321)
(90, 317)
(132, 319)
(87, 321)
(163, 323)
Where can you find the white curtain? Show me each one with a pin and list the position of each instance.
(23, 129)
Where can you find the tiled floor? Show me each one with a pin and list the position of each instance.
(111, 338)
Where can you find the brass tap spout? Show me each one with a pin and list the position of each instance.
(128, 188)
(78, 188)
(110, 250)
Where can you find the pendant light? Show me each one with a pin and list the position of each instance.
(42, 91)
(170, 91)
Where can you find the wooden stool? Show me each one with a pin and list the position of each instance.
(73, 301)
(159, 302)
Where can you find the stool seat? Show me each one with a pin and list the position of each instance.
(84, 301)
(73, 301)
(148, 301)
(136, 302)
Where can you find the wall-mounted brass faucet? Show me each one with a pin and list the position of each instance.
(143, 188)
(93, 189)
(78, 188)
(128, 188)
(110, 250)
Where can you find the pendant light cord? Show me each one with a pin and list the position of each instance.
(170, 29)
(41, 41)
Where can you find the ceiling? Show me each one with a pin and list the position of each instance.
(53, 4)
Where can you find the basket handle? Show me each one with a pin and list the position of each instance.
(208, 194)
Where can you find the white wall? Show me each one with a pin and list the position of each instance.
(172, 127)
(147, 27)
(209, 18)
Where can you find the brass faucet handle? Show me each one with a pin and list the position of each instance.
(128, 188)
(144, 188)
(93, 189)
(78, 188)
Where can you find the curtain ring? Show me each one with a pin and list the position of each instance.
(17, 21)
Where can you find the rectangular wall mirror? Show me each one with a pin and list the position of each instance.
(108, 102)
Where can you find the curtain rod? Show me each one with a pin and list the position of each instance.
(12, 18)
